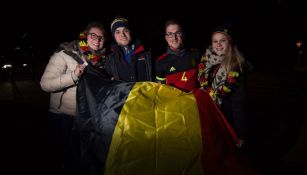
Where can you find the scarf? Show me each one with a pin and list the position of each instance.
(96, 58)
(214, 77)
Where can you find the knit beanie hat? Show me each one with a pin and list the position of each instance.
(119, 22)
(225, 29)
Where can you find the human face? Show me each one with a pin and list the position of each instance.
(95, 38)
(174, 36)
(220, 43)
(122, 36)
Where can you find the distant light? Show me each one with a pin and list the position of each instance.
(24, 65)
(6, 66)
(299, 44)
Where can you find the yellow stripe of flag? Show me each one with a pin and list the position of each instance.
(158, 132)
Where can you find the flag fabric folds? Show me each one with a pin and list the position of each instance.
(149, 128)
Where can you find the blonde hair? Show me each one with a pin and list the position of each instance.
(233, 57)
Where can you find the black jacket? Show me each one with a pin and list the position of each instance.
(140, 68)
(178, 69)
(234, 107)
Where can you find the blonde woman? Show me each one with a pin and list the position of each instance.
(222, 75)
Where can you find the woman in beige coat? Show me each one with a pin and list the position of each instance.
(60, 79)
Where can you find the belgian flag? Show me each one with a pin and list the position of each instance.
(146, 128)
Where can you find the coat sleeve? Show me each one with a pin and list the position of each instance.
(235, 108)
(159, 74)
(110, 66)
(149, 66)
(58, 74)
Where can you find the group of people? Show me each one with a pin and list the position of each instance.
(219, 71)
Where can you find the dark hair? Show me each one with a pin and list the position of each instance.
(173, 22)
(96, 24)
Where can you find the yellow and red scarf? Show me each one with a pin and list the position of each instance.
(222, 79)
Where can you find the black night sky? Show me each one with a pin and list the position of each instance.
(266, 32)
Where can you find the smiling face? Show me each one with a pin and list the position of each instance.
(122, 36)
(220, 43)
(95, 38)
(174, 36)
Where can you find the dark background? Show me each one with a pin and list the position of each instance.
(266, 32)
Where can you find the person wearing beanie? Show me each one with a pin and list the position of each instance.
(225, 29)
(222, 74)
(129, 60)
(178, 66)
(119, 22)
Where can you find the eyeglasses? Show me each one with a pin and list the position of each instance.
(172, 35)
(96, 37)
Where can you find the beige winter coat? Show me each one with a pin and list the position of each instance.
(59, 80)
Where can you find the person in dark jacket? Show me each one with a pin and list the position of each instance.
(178, 66)
(129, 61)
(222, 74)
